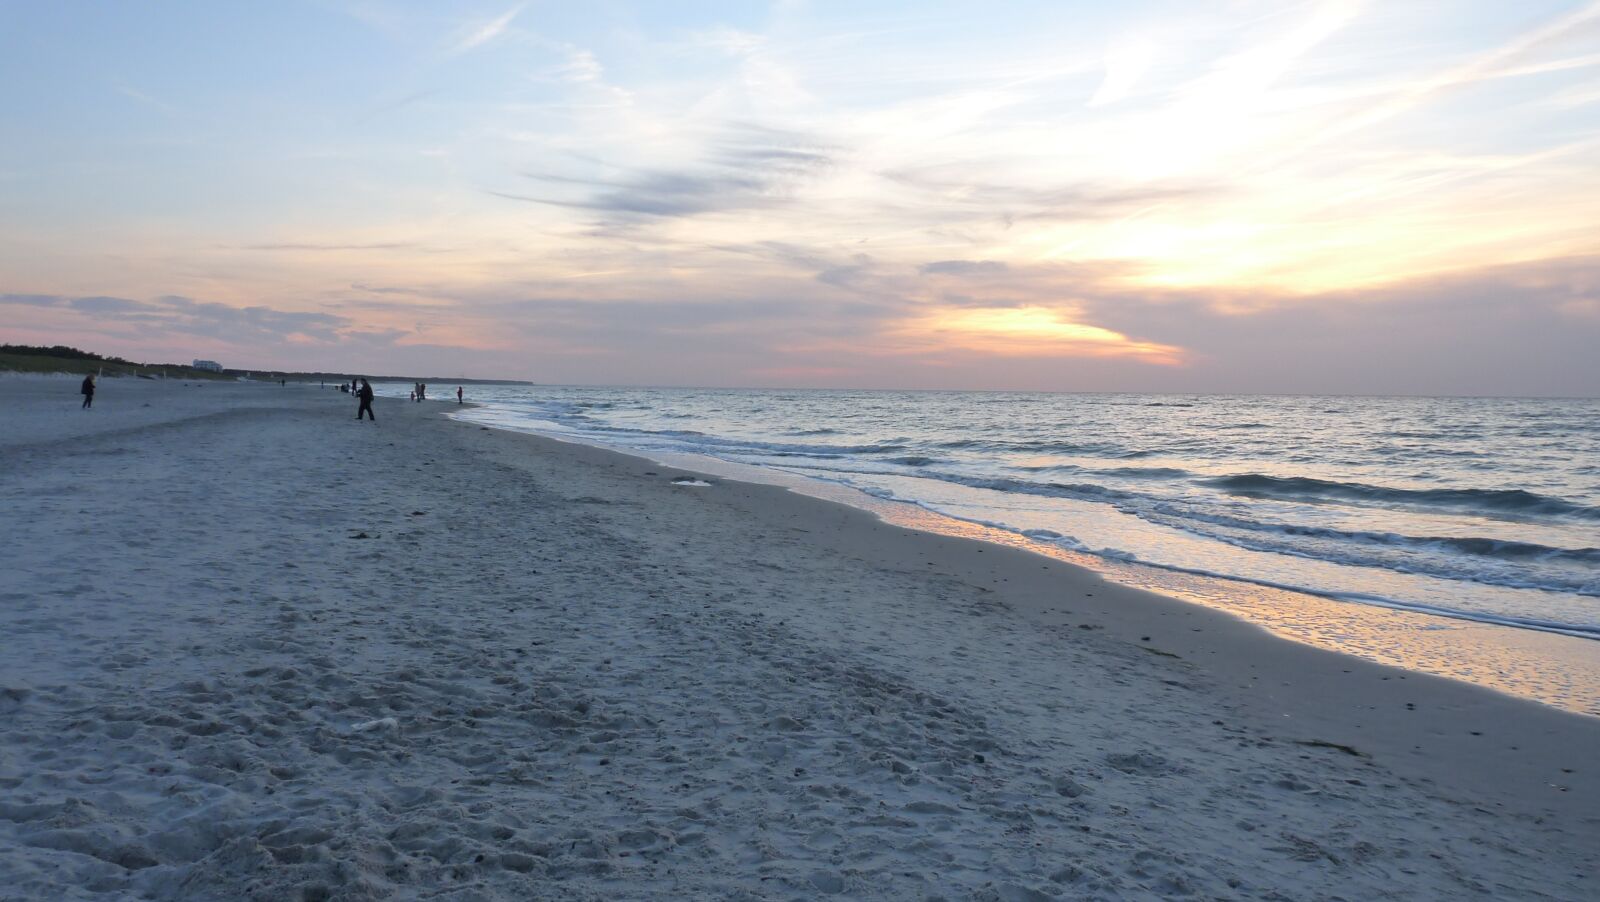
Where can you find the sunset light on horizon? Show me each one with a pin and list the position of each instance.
(1338, 197)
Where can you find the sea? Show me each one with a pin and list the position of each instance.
(1479, 509)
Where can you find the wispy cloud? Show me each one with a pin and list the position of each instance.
(174, 314)
(1490, 64)
(476, 34)
(330, 247)
(963, 267)
(145, 99)
(746, 168)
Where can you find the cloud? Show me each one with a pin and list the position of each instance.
(959, 188)
(1029, 331)
(480, 33)
(386, 289)
(1574, 98)
(31, 300)
(410, 308)
(315, 246)
(746, 169)
(1501, 330)
(581, 67)
(1126, 63)
(963, 267)
(1491, 64)
(106, 305)
(162, 316)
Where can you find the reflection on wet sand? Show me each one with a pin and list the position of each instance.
(1561, 671)
(1557, 670)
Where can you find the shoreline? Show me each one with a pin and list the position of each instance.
(1321, 690)
(519, 667)
(1551, 667)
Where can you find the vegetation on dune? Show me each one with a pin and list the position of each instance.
(57, 351)
(62, 359)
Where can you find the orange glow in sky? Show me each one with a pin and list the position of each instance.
(1036, 331)
(898, 195)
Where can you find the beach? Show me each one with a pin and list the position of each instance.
(251, 648)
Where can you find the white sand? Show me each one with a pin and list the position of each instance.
(547, 671)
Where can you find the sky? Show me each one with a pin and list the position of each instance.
(1295, 197)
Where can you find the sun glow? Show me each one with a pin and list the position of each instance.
(1037, 331)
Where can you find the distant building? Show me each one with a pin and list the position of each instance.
(210, 365)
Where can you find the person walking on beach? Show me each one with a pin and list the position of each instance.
(365, 394)
(458, 395)
(88, 391)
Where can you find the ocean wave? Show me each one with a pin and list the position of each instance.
(781, 448)
(1081, 491)
(694, 440)
(1476, 546)
(1143, 472)
(1545, 624)
(1490, 562)
(1491, 502)
(1124, 472)
(1106, 450)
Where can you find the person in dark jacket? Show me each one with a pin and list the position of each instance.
(365, 394)
(88, 391)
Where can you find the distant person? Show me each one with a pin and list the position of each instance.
(88, 391)
(422, 391)
(365, 394)
(458, 395)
